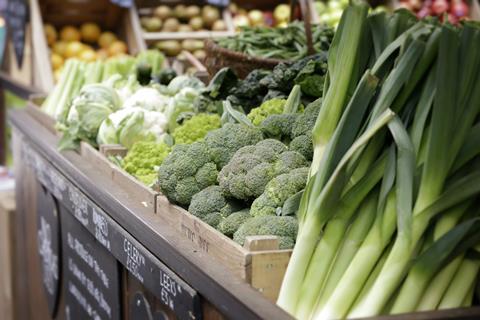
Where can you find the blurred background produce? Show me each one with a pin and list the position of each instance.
(182, 18)
(330, 11)
(277, 16)
(87, 42)
(455, 10)
(288, 43)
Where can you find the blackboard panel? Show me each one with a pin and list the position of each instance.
(48, 233)
(91, 276)
(17, 15)
(160, 280)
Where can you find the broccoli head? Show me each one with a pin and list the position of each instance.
(224, 142)
(143, 158)
(274, 106)
(278, 190)
(195, 128)
(305, 122)
(211, 206)
(303, 145)
(229, 225)
(312, 77)
(252, 167)
(284, 227)
(279, 126)
(187, 170)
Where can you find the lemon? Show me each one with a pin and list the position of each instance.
(56, 60)
(102, 54)
(50, 34)
(90, 32)
(88, 55)
(69, 33)
(106, 39)
(73, 49)
(117, 47)
(60, 47)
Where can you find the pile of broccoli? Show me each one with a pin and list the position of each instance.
(244, 178)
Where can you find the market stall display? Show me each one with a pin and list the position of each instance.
(332, 167)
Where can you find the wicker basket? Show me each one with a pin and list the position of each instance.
(241, 63)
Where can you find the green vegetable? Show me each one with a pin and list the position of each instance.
(153, 58)
(387, 215)
(210, 203)
(252, 167)
(229, 225)
(181, 103)
(164, 76)
(270, 107)
(94, 103)
(196, 128)
(144, 72)
(311, 76)
(224, 142)
(278, 190)
(287, 43)
(180, 82)
(187, 170)
(58, 101)
(279, 126)
(303, 145)
(143, 158)
(283, 227)
(130, 125)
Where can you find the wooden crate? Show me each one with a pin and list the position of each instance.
(33, 108)
(259, 262)
(7, 210)
(60, 13)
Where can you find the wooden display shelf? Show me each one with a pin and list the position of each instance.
(60, 13)
(81, 184)
(106, 198)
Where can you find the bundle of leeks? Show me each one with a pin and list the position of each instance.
(389, 221)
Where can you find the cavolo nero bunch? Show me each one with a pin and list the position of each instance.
(388, 221)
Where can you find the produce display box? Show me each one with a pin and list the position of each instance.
(259, 262)
(60, 13)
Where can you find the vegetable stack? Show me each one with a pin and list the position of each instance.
(388, 221)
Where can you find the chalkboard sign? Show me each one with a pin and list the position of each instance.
(48, 245)
(92, 283)
(140, 308)
(17, 16)
(123, 3)
(160, 280)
